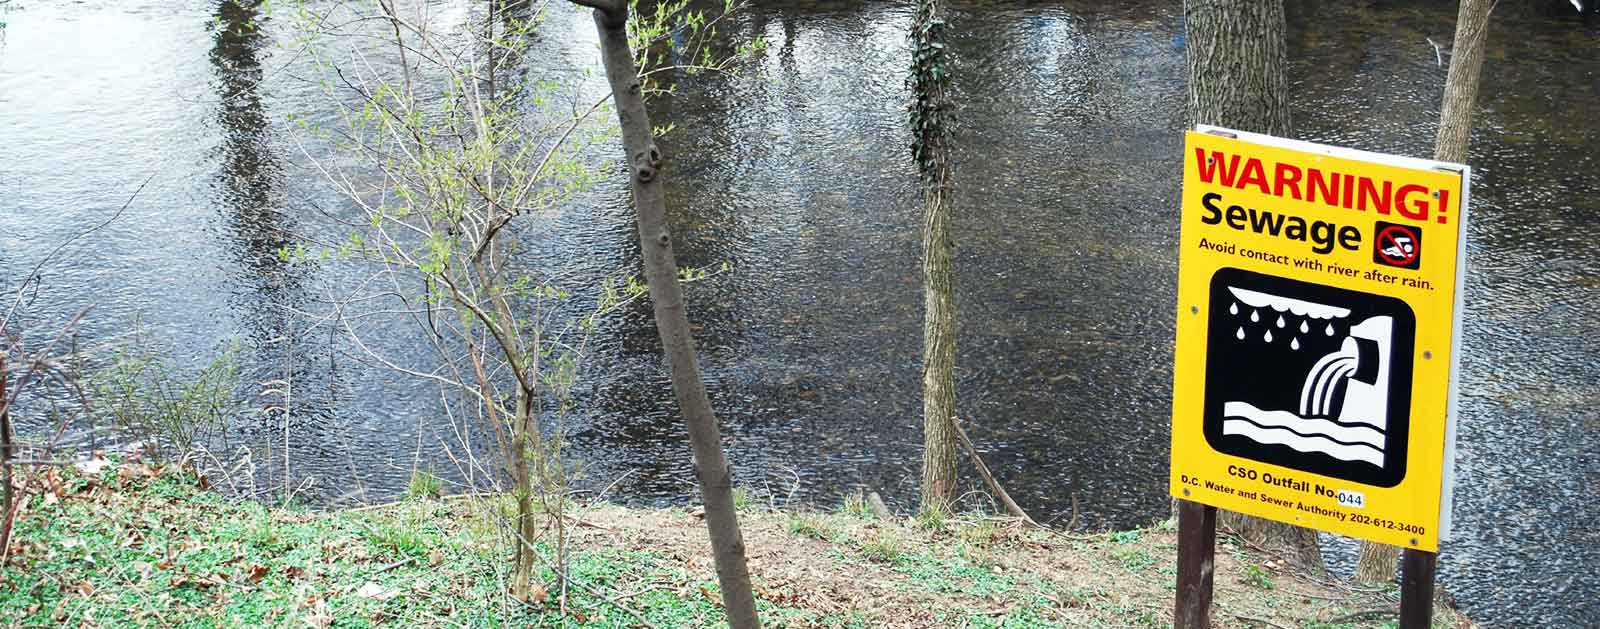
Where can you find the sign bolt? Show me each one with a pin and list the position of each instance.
(1194, 310)
(1427, 355)
(1185, 491)
(1413, 541)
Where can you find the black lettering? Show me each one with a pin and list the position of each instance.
(1236, 218)
(1322, 235)
(1297, 229)
(1210, 201)
(1263, 220)
(1350, 237)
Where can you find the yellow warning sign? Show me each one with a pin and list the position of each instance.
(1318, 314)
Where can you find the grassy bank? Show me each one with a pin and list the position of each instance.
(140, 546)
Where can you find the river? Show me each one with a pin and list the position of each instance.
(796, 173)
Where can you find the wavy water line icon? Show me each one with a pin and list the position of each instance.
(1343, 399)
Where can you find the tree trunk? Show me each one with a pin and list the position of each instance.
(672, 323)
(1461, 85)
(930, 146)
(1377, 561)
(1237, 65)
(6, 455)
(524, 439)
(1237, 79)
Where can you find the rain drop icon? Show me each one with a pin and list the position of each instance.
(1295, 344)
(1239, 335)
(1304, 328)
(1233, 309)
(1330, 329)
(1268, 336)
(1255, 316)
(1280, 321)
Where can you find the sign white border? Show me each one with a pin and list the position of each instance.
(1447, 494)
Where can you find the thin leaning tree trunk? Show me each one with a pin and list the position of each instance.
(1376, 562)
(1238, 79)
(672, 322)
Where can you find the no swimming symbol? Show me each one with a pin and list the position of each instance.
(1397, 245)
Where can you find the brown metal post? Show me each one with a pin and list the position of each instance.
(1416, 589)
(1197, 544)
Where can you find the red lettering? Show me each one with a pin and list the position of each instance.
(1255, 175)
(1444, 204)
(1286, 176)
(1417, 209)
(1328, 186)
(1209, 167)
(1369, 192)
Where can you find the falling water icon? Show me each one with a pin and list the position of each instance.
(1234, 309)
(1342, 409)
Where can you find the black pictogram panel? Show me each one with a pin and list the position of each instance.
(1309, 377)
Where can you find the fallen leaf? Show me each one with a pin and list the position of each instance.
(435, 558)
(85, 588)
(257, 572)
(373, 590)
(96, 462)
(320, 616)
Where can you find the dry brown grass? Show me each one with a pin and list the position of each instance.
(992, 572)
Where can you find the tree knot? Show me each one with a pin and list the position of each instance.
(646, 162)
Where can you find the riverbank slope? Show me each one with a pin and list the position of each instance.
(137, 545)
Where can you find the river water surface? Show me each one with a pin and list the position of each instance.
(796, 172)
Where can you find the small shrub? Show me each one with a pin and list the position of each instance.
(1257, 576)
(809, 526)
(424, 485)
(883, 547)
(855, 505)
(933, 519)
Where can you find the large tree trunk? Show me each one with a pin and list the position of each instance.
(1237, 79)
(672, 323)
(930, 146)
(1377, 561)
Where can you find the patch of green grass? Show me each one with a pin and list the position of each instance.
(742, 500)
(810, 526)
(159, 552)
(1124, 537)
(883, 546)
(424, 485)
(855, 505)
(1259, 577)
(934, 518)
(981, 532)
(1133, 559)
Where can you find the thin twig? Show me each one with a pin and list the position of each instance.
(34, 274)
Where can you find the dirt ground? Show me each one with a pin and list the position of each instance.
(994, 572)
